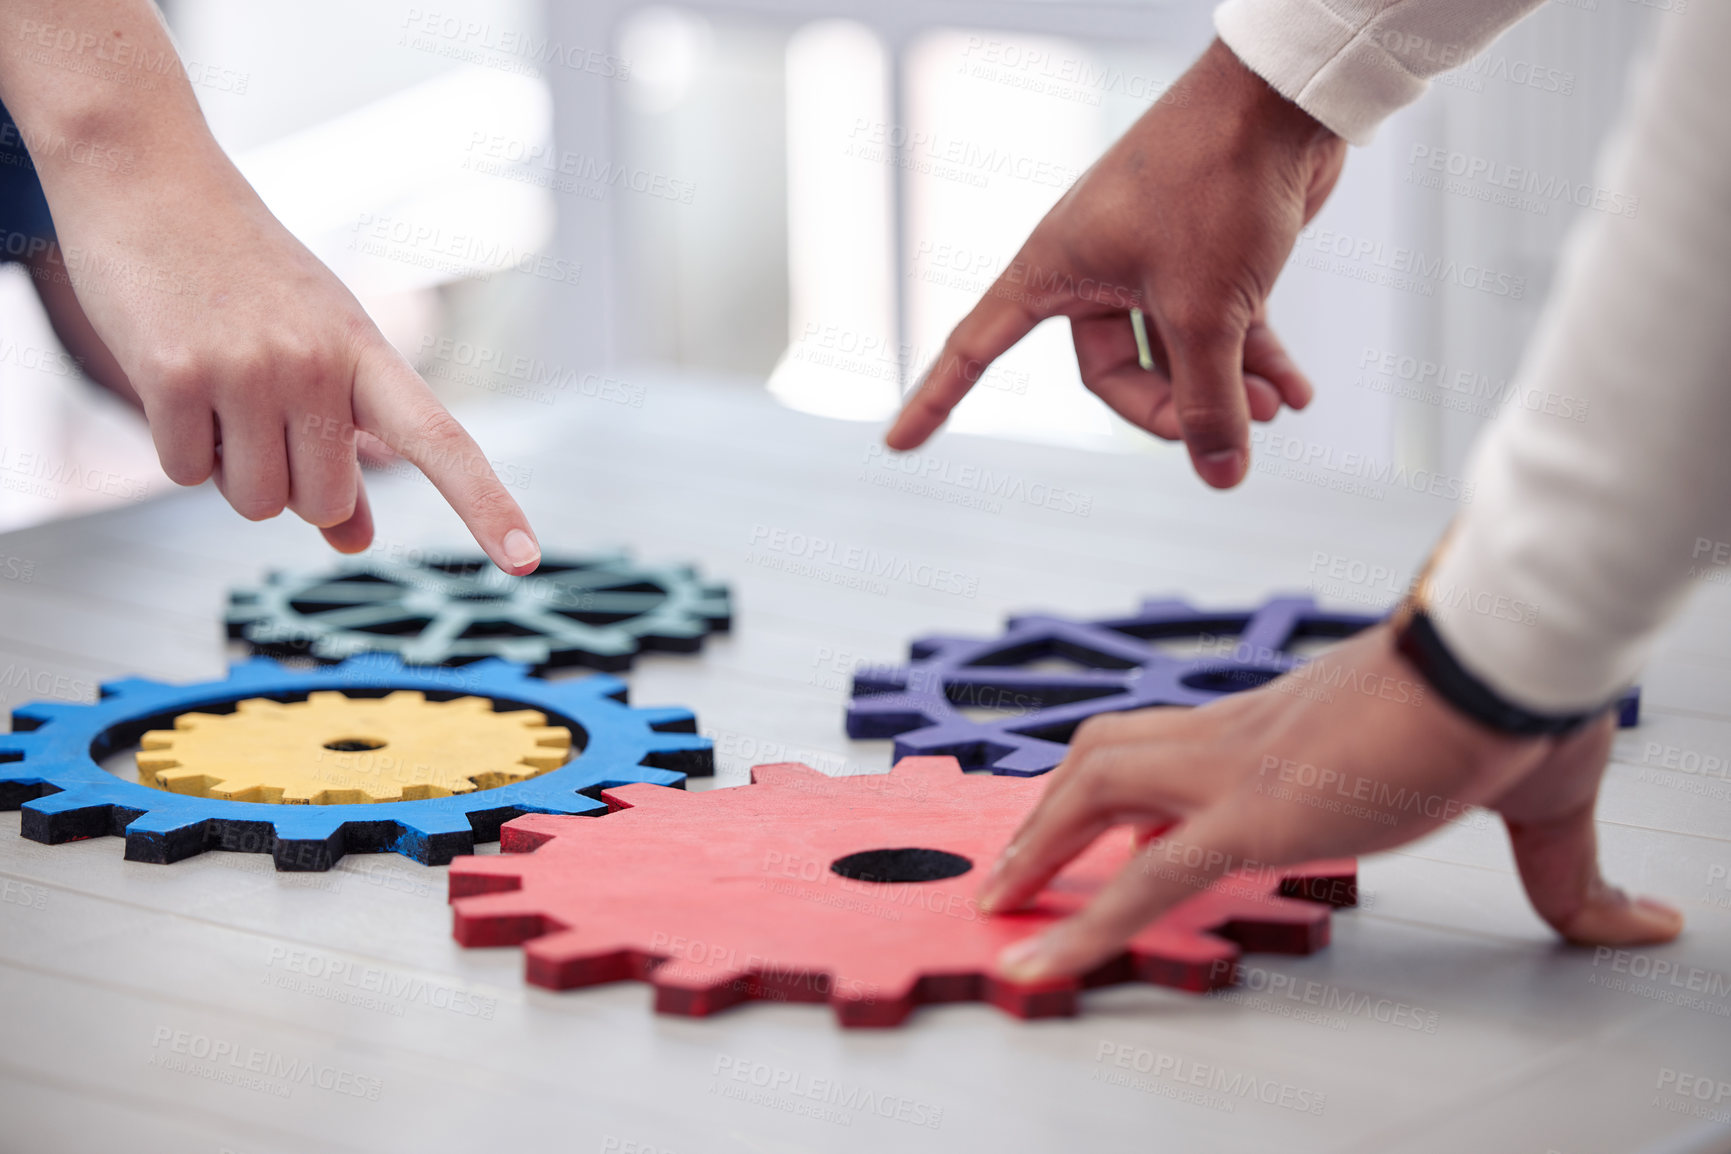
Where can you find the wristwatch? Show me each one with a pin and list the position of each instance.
(1417, 639)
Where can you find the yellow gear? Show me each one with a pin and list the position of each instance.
(332, 749)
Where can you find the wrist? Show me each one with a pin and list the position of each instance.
(1423, 648)
(1256, 112)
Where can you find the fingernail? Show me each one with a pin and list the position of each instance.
(1028, 960)
(1222, 466)
(1655, 906)
(521, 550)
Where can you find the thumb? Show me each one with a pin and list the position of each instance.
(392, 402)
(1207, 358)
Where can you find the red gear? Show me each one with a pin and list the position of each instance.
(727, 895)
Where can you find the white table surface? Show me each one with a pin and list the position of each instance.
(100, 959)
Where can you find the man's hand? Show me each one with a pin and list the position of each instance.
(252, 362)
(1190, 217)
(1264, 777)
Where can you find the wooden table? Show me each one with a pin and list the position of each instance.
(1443, 1017)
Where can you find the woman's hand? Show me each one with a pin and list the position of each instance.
(1348, 755)
(252, 362)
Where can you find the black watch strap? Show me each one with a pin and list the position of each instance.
(1417, 639)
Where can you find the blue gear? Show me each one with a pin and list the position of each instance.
(49, 765)
(921, 704)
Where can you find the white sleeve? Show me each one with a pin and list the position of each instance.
(1350, 63)
(1583, 533)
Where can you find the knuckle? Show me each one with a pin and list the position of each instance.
(257, 508)
(435, 430)
(324, 512)
(185, 471)
(176, 371)
(1092, 734)
(1191, 321)
(1208, 423)
(488, 501)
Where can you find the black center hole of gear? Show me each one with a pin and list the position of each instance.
(354, 744)
(910, 864)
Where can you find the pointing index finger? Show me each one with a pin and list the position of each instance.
(392, 402)
(985, 334)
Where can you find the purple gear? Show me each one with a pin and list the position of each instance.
(920, 704)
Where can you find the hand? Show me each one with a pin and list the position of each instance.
(1190, 217)
(1240, 780)
(256, 366)
(252, 363)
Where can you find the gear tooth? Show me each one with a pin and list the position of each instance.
(157, 739)
(532, 831)
(938, 644)
(697, 990)
(67, 801)
(151, 767)
(121, 686)
(551, 736)
(887, 715)
(864, 996)
(40, 713)
(642, 795)
(504, 917)
(254, 669)
(331, 649)
(162, 820)
(492, 668)
(667, 719)
(785, 775)
(174, 778)
(367, 665)
(484, 875)
(944, 768)
(602, 685)
(308, 823)
(1165, 607)
(564, 959)
(689, 751)
(435, 822)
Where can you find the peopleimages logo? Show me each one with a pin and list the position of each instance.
(811, 554)
(879, 140)
(1464, 390)
(1372, 257)
(1230, 1085)
(1543, 187)
(1313, 461)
